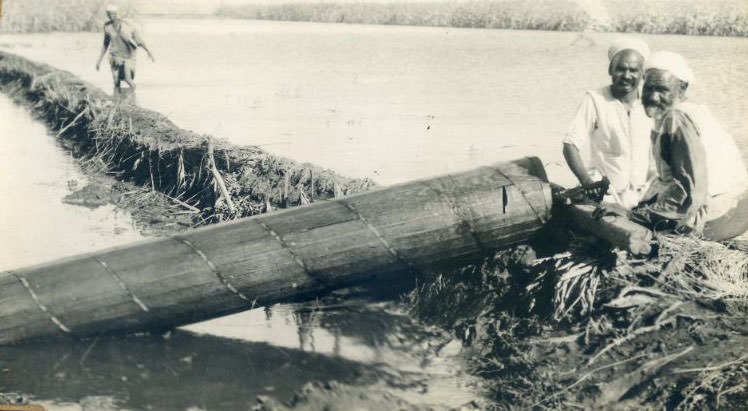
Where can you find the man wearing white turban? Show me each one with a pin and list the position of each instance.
(612, 124)
(702, 183)
(122, 40)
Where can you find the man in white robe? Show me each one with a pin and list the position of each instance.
(612, 125)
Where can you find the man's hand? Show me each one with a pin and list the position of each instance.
(98, 65)
(148, 51)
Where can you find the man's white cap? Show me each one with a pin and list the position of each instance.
(673, 63)
(111, 8)
(627, 43)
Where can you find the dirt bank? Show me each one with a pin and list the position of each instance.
(213, 178)
(571, 324)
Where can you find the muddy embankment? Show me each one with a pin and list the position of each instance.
(169, 177)
(567, 323)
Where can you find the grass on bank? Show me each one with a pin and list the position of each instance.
(30, 16)
(586, 328)
(145, 148)
(691, 17)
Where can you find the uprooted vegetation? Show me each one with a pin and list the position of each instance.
(591, 328)
(211, 178)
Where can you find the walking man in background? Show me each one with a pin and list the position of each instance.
(612, 124)
(122, 40)
(702, 184)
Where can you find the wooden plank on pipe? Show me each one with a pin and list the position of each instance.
(616, 230)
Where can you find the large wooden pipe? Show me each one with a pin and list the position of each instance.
(276, 257)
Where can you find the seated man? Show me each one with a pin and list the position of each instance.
(702, 183)
(611, 121)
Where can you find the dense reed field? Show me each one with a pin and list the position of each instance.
(692, 17)
(29, 16)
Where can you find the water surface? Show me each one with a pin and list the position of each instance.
(35, 225)
(388, 102)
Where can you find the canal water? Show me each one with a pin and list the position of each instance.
(37, 173)
(392, 103)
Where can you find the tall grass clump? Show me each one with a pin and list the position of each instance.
(688, 17)
(691, 17)
(29, 16)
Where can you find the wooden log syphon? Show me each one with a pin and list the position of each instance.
(276, 257)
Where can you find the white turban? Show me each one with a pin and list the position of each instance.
(673, 63)
(111, 8)
(627, 43)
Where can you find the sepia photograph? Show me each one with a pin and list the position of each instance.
(349, 205)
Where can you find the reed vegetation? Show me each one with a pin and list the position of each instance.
(582, 326)
(29, 16)
(213, 178)
(691, 17)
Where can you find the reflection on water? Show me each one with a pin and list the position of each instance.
(170, 374)
(344, 96)
(353, 329)
(183, 369)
